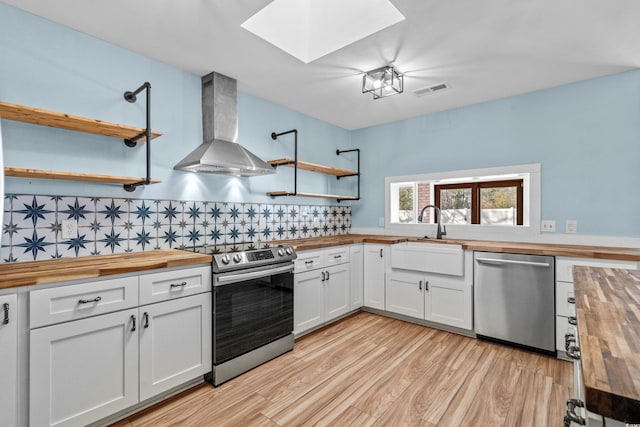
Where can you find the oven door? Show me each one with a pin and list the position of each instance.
(251, 308)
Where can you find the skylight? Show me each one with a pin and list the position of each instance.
(311, 29)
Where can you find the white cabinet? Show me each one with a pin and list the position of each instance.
(412, 291)
(90, 358)
(321, 287)
(565, 298)
(175, 343)
(376, 264)
(84, 370)
(8, 359)
(356, 265)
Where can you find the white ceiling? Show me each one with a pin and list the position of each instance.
(485, 49)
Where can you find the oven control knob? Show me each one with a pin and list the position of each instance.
(280, 252)
(237, 258)
(225, 259)
(288, 251)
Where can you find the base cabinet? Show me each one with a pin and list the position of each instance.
(175, 343)
(84, 370)
(8, 360)
(376, 263)
(356, 261)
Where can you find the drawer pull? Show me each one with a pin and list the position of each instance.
(309, 262)
(89, 301)
(133, 320)
(573, 352)
(5, 308)
(178, 285)
(572, 320)
(337, 256)
(571, 300)
(146, 319)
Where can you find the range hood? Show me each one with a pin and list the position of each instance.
(220, 153)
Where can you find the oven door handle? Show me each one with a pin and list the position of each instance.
(253, 275)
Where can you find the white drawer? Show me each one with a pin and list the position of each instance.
(167, 285)
(71, 302)
(436, 258)
(310, 260)
(564, 266)
(338, 255)
(564, 291)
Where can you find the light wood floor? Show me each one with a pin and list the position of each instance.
(369, 370)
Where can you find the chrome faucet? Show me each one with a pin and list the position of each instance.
(440, 232)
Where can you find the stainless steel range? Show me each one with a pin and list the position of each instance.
(252, 306)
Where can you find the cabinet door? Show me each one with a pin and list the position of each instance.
(84, 370)
(404, 294)
(8, 359)
(175, 343)
(336, 291)
(374, 275)
(356, 270)
(308, 301)
(448, 302)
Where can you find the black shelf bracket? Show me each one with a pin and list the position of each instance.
(275, 136)
(132, 142)
(357, 151)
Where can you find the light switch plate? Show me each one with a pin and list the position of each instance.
(571, 226)
(548, 226)
(381, 221)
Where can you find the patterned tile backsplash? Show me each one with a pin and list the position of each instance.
(32, 228)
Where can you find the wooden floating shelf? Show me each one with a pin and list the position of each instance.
(38, 116)
(312, 167)
(72, 176)
(316, 195)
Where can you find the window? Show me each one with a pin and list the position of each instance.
(489, 202)
(502, 197)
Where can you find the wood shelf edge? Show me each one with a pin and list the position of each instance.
(72, 176)
(313, 167)
(315, 195)
(37, 116)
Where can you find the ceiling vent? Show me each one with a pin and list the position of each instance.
(432, 89)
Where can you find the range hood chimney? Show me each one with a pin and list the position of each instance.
(220, 153)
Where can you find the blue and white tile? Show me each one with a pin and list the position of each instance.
(214, 235)
(80, 245)
(142, 212)
(305, 230)
(112, 240)
(33, 211)
(168, 237)
(280, 213)
(193, 236)
(293, 213)
(169, 212)
(79, 209)
(33, 244)
(293, 231)
(6, 204)
(214, 213)
(265, 214)
(195, 213)
(142, 238)
(114, 212)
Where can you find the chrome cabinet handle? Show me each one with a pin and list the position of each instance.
(571, 415)
(178, 285)
(573, 352)
(513, 261)
(337, 256)
(380, 253)
(133, 319)
(309, 262)
(88, 301)
(571, 300)
(327, 275)
(573, 320)
(323, 276)
(420, 285)
(5, 308)
(426, 285)
(146, 319)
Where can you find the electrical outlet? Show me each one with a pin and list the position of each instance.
(571, 226)
(548, 225)
(381, 221)
(304, 211)
(316, 222)
(69, 229)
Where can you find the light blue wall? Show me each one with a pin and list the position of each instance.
(586, 136)
(49, 66)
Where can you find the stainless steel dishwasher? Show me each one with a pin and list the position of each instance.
(514, 299)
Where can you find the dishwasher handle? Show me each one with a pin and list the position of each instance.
(513, 262)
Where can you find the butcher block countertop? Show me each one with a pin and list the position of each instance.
(64, 269)
(598, 252)
(608, 311)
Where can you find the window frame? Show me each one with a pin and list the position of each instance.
(475, 187)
